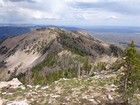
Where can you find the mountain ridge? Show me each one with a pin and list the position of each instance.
(25, 52)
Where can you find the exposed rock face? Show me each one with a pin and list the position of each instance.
(21, 53)
(1, 101)
(14, 83)
(19, 102)
(9, 85)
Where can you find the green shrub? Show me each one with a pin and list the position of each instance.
(100, 66)
(87, 66)
(116, 65)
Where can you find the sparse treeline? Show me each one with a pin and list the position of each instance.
(53, 68)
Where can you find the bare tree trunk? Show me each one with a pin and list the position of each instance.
(125, 88)
(126, 84)
(90, 73)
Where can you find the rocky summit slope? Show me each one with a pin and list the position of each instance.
(97, 90)
(43, 51)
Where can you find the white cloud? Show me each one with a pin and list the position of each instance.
(85, 1)
(112, 17)
(72, 10)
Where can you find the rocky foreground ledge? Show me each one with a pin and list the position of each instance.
(97, 90)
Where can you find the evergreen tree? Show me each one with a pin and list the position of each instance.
(129, 80)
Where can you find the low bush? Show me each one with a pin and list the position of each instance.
(100, 66)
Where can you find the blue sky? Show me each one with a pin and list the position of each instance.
(71, 12)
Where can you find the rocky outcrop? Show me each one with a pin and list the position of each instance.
(10, 85)
(14, 83)
(1, 101)
(18, 102)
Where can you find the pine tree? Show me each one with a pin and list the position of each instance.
(129, 80)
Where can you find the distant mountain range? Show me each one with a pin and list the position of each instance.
(14, 30)
(114, 30)
(8, 31)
